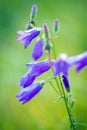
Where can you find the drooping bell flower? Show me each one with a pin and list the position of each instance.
(61, 65)
(38, 49)
(66, 83)
(26, 94)
(28, 35)
(64, 63)
(36, 69)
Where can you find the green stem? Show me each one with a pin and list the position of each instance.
(53, 74)
(58, 85)
(53, 70)
(72, 122)
(54, 88)
(54, 52)
(67, 107)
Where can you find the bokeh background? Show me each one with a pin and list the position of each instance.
(41, 113)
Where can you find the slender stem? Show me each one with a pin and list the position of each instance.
(58, 85)
(54, 52)
(65, 99)
(52, 68)
(49, 59)
(57, 82)
(54, 88)
(68, 110)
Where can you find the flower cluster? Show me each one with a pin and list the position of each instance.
(43, 44)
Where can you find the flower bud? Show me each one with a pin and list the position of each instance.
(72, 102)
(66, 83)
(55, 25)
(33, 12)
(38, 49)
(45, 27)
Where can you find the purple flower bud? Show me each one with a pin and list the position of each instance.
(37, 50)
(28, 36)
(66, 83)
(45, 27)
(26, 94)
(56, 22)
(48, 45)
(33, 12)
(34, 9)
(55, 27)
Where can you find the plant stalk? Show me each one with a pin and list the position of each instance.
(67, 107)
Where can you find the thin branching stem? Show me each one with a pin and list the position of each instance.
(52, 69)
(54, 87)
(61, 89)
(67, 107)
(49, 59)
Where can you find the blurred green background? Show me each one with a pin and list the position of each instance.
(41, 113)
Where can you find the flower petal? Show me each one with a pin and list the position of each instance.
(26, 94)
(80, 67)
(20, 32)
(37, 50)
(38, 68)
(80, 61)
(28, 35)
(23, 36)
(57, 68)
(27, 42)
(78, 58)
(27, 79)
(61, 65)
